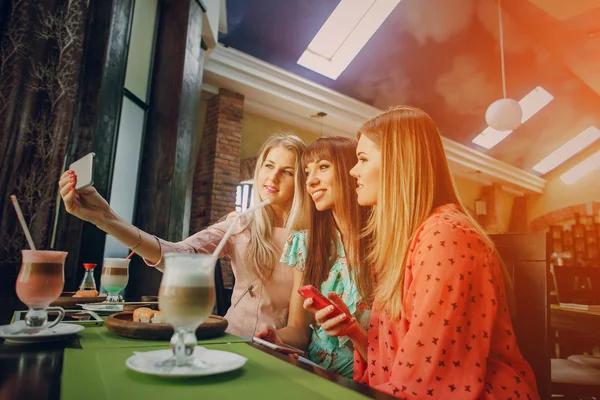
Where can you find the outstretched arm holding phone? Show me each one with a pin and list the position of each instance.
(88, 205)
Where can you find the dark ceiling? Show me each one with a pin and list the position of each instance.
(443, 56)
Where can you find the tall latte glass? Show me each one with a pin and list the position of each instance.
(115, 276)
(186, 299)
(40, 282)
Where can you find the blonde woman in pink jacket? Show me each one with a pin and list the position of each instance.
(262, 284)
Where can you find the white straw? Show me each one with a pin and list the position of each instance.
(22, 221)
(228, 233)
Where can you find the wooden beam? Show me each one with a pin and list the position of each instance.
(168, 158)
(95, 124)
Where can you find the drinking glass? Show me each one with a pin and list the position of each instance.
(40, 282)
(115, 276)
(186, 298)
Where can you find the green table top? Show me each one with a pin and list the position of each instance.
(100, 337)
(100, 373)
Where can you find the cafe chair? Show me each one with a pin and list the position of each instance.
(223, 295)
(524, 256)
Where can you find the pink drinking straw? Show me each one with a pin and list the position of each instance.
(22, 221)
(130, 255)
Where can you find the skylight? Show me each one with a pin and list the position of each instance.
(568, 150)
(343, 35)
(582, 169)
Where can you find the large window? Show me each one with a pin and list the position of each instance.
(243, 196)
(132, 123)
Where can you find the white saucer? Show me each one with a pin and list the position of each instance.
(102, 308)
(17, 333)
(219, 361)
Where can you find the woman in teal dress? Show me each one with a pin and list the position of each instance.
(328, 255)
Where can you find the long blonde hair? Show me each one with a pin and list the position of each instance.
(415, 179)
(263, 252)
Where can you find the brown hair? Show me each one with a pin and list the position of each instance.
(321, 250)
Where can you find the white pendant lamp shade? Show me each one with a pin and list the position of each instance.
(504, 115)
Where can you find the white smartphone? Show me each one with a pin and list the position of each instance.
(84, 169)
(282, 348)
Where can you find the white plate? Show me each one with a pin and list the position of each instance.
(18, 333)
(102, 308)
(219, 363)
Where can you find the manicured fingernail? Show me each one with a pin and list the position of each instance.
(342, 317)
(310, 301)
(330, 308)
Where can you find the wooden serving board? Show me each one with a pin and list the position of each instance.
(122, 324)
(66, 300)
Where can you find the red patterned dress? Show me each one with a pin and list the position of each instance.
(457, 339)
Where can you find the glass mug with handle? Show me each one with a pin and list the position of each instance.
(40, 282)
(186, 298)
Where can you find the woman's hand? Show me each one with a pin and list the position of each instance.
(341, 325)
(268, 333)
(85, 204)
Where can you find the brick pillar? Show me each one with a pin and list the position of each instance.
(218, 166)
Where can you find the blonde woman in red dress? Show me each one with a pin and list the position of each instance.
(440, 324)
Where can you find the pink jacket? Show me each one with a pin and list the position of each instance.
(253, 302)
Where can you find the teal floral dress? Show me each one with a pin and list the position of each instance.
(335, 354)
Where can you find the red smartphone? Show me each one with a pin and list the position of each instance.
(320, 301)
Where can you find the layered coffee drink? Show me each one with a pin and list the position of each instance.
(41, 278)
(186, 298)
(187, 291)
(115, 279)
(115, 276)
(40, 282)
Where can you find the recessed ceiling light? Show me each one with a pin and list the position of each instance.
(533, 102)
(580, 170)
(343, 35)
(568, 150)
